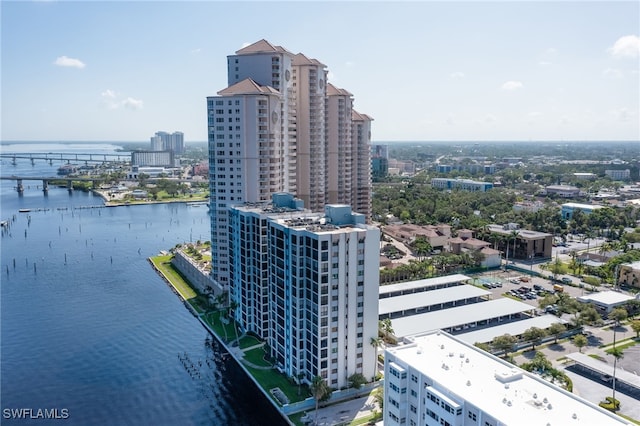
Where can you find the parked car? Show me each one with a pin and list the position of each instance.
(566, 280)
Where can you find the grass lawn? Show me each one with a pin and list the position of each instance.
(163, 263)
(256, 356)
(226, 332)
(623, 344)
(269, 379)
(248, 341)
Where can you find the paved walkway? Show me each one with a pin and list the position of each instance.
(344, 412)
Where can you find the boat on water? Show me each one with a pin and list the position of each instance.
(197, 203)
(24, 210)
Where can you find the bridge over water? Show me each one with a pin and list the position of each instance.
(50, 157)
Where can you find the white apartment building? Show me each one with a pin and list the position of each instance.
(617, 174)
(323, 294)
(361, 158)
(439, 380)
(249, 275)
(152, 158)
(278, 128)
(163, 141)
(461, 184)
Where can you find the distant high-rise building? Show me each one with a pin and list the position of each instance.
(152, 158)
(379, 161)
(163, 141)
(279, 127)
(307, 283)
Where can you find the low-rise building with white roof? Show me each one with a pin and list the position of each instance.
(606, 301)
(438, 379)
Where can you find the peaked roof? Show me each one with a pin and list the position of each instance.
(333, 90)
(302, 59)
(355, 115)
(247, 87)
(261, 46)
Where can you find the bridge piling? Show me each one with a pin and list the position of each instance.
(45, 186)
(19, 186)
(70, 185)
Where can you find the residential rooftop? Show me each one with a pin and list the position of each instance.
(509, 394)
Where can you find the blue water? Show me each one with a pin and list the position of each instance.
(88, 326)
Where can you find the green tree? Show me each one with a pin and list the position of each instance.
(376, 342)
(504, 343)
(320, 391)
(635, 326)
(378, 396)
(556, 329)
(580, 341)
(617, 354)
(534, 335)
(356, 380)
(618, 315)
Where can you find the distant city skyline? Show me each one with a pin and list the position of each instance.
(424, 71)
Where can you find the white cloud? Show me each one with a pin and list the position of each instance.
(112, 100)
(350, 64)
(457, 75)
(110, 94)
(626, 47)
(65, 61)
(109, 98)
(132, 103)
(612, 73)
(512, 85)
(196, 51)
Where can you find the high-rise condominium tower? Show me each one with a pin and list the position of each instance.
(307, 283)
(279, 127)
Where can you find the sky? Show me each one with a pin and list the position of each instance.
(423, 70)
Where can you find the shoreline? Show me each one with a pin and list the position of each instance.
(118, 203)
(229, 350)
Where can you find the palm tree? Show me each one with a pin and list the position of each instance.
(617, 354)
(376, 342)
(514, 235)
(320, 391)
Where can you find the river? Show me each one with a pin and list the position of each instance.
(89, 329)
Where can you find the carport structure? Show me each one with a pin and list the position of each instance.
(626, 381)
(411, 287)
(489, 313)
(428, 301)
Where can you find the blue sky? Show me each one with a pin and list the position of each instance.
(432, 71)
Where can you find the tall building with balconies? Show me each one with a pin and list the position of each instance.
(307, 283)
(323, 281)
(275, 128)
(339, 164)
